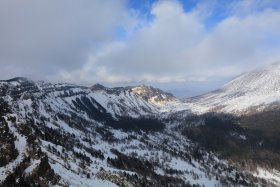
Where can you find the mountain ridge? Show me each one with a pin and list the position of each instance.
(249, 93)
(67, 135)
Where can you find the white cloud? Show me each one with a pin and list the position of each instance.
(154, 52)
(177, 47)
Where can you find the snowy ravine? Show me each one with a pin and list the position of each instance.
(20, 145)
(68, 135)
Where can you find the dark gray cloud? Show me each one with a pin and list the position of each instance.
(45, 36)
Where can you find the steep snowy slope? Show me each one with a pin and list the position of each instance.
(251, 92)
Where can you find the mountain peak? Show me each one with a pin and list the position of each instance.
(149, 92)
(145, 89)
(97, 87)
(18, 79)
(259, 81)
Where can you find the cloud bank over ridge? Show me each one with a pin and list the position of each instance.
(111, 42)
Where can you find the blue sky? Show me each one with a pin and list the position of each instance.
(186, 47)
(220, 9)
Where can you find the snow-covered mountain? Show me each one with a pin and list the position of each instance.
(251, 92)
(121, 101)
(68, 135)
(134, 101)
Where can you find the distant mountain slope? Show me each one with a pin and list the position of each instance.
(251, 92)
(121, 101)
(133, 101)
